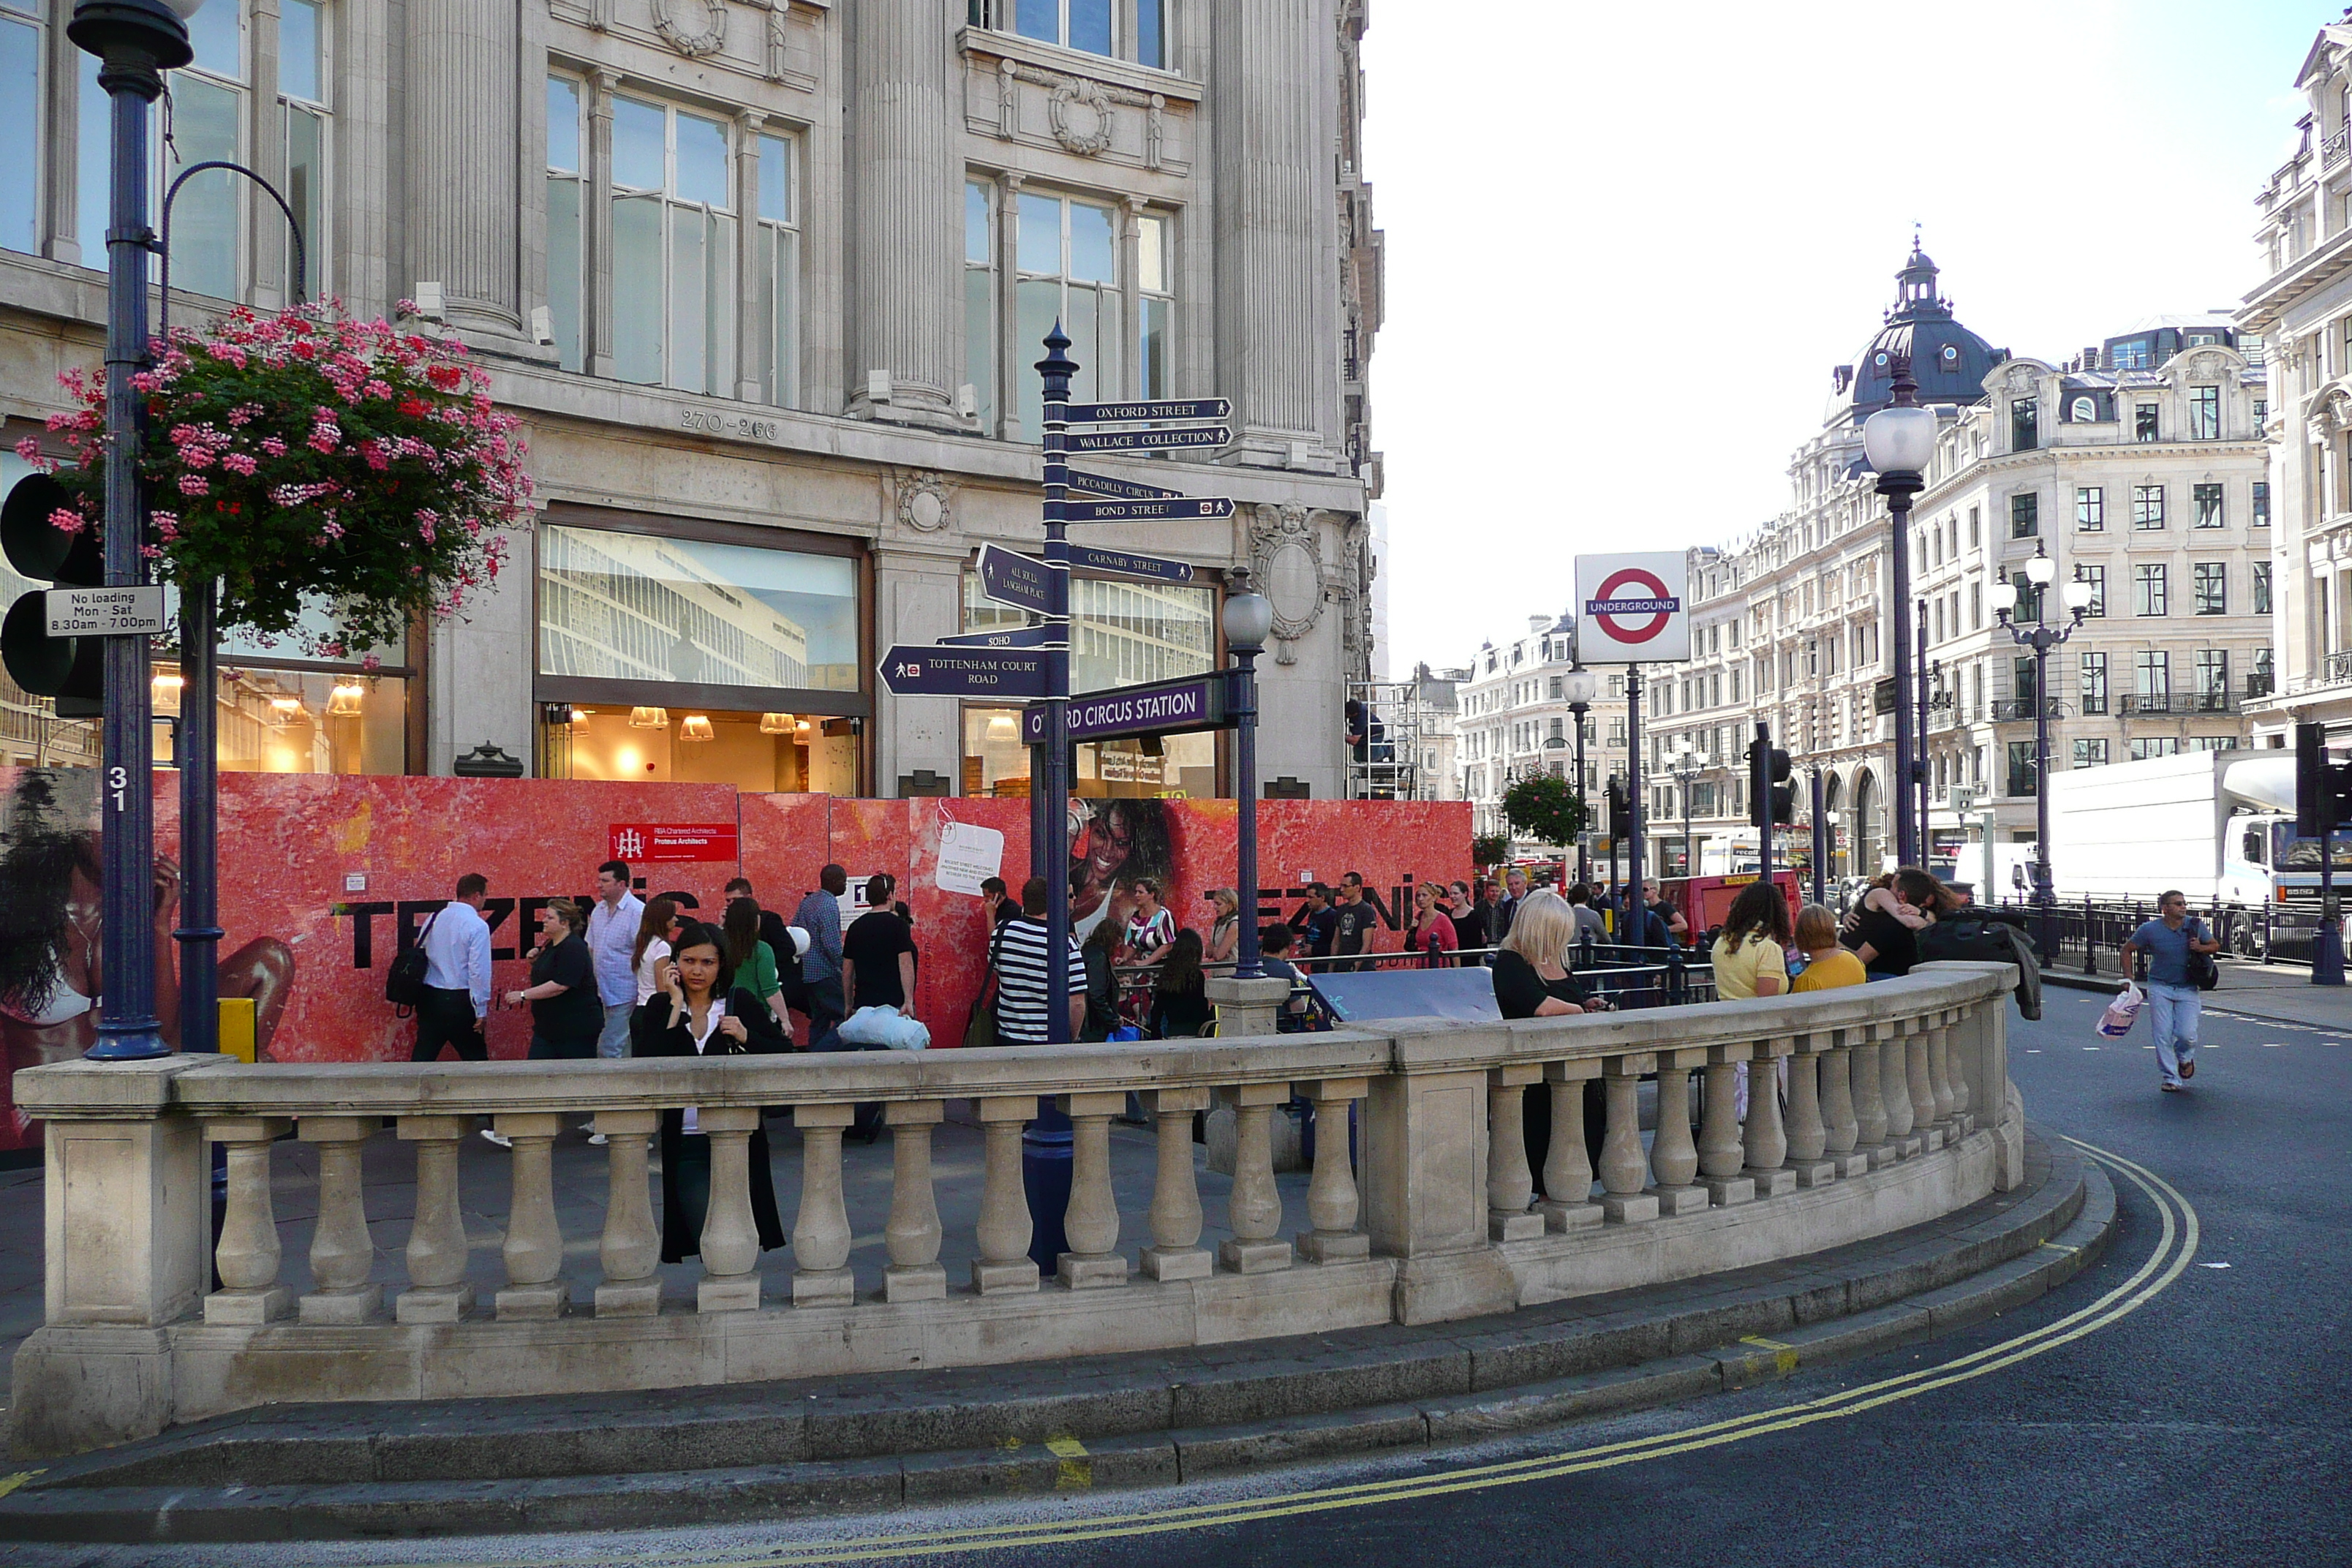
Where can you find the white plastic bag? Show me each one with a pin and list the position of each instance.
(886, 1026)
(2122, 1013)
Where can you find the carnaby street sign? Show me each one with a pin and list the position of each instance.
(1130, 563)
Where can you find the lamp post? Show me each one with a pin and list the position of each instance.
(135, 42)
(1899, 441)
(1248, 618)
(1581, 686)
(2041, 571)
(1687, 772)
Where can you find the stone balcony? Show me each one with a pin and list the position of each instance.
(1423, 1203)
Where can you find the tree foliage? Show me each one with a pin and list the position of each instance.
(1547, 809)
(1490, 849)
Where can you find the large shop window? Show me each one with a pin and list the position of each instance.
(279, 711)
(695, 660)
(1125, 634)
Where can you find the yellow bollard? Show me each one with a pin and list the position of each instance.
(237, 1028)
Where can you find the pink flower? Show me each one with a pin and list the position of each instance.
(240, 463)
(194, 485)
(273, 446)
(67, 521)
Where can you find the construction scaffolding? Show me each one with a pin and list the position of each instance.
(1400, 739)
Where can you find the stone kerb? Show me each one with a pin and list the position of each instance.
(1433, 1221)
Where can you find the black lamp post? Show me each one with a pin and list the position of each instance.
(135, 42)
(2041, 571)
(1581, 686)
(1900, 441)
(1248, 618)
(1687, 772)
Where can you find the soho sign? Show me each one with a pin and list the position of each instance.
(1632, 610)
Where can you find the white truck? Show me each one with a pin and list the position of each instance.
(2218, 825)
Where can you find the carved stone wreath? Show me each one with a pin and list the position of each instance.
(925, 500)
(1289, 559)
(692, 44)
(1081, 117)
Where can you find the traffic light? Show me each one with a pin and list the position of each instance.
(2319, 784)
(1620, 816)
(70, 669)
(1767, 780)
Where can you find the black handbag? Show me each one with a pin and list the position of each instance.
(2203, 973)
(403, 981)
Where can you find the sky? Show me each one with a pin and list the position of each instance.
(1625, 244)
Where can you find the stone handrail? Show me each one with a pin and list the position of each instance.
(1897, 1109)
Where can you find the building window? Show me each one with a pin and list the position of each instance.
(302, 77)
(2204, 413)
(1068, 258)
(24, 44)
(207, 110)
(2025, 515)
(567, 205)
(1155, 331)
(2148, 507)
(2205, 507)
(673, 250)
(2096, 576)
(2086, 411)
(2213, 680)
(2149, 588)
(2091, 753)
(2211, 587)
(2261, 683)
(2146, 746)
(2020, 769)
(2262, 518)
(2090, 509)
(2144, 422)
(2261, 587)
(1091, 25)
(1976, 527)
(2152, 678)
(2024, 425)
(778, 253)
(2022, 681)
(2130, 355)
(2094, 682)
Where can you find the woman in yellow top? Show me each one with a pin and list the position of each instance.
(1751, 955)
(1828, 965)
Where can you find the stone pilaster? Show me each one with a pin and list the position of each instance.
(461, 123)
(907, 213)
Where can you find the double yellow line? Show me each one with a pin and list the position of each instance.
(2176, 1246)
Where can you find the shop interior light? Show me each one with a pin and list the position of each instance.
(288, 705)
(579, 720)
(775, 723)
(344, 701)
(801, 728)
(1003, 728)
(167, 685)
(643, 718)
(694, 726)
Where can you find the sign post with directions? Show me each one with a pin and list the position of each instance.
(923, 670)
(1021, 581)
(1011, 636)
(1104, 485)
(1173, 509)
(1130, 563)
(1181, 439)
(1147, 412)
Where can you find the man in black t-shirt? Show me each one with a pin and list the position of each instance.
(1317, 920)
(1357, 919)
(877, 955)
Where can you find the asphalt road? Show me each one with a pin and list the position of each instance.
(2160, 1409)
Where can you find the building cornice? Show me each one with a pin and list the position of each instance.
(2268, 304)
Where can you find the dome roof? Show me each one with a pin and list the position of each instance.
(1948, 362)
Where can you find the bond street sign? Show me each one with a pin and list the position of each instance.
(924, 671)
(1019, 581)
(1162, 708)
(1189, 436)
(1143, 412)
(1130, 563)
(1174, 508)
(1104, 485)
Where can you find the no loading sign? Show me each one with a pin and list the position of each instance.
(1633, 609)
(1626, 598)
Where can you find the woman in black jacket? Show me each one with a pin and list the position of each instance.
(1179, 1001)
(695, 1011)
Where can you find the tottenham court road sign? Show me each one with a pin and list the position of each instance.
(1005, 673)
(1632, 610)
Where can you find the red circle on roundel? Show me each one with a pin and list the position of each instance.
(1634, 576)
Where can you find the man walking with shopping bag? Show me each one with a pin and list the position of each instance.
(2172, 942)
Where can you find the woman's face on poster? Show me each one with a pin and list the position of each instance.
(1109, 843)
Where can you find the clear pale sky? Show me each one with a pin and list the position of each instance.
(1625, 244)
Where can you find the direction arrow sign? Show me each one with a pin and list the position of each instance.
(1129, 563)
(1104, 485)
(1138, 412)
(1011, 636)
(924, 671)
(1191, 436)
(1015, 580)
(1169, 510)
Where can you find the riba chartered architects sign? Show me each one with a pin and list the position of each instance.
(1633, 609)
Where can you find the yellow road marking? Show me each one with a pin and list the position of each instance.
(2153, 1276)
(10, 1483)
(1076, 1470)
(2060, 1247)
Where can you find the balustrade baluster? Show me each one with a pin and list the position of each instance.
(437, 1289)
(1623, 1169)
(1808, 1133)
(535, 1246)
(1956, 1072)
(248, 1255)
(1763, 1134)
(343, 1253)
(911, 1238)
(1254, 1211)
(1940, 1075)
(631, 1249)
(1091, 1220)
(1003, 1265)
(1176, 1252)
(1332, 1204)
(730, 1236)
(1510, 1185)
(1673, 1157)
(1895, 1091)
(1720, 1152)
(1869, 1103)
(821, 1272)
(1922, 1098)
(1840, 1131)
(1567, 1166)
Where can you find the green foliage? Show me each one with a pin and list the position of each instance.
(1490, 849)
(1547, 809)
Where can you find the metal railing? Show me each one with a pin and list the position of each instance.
(2178, 703)
(2009, 710)
(2336, 666)
(2087, 935)
(2335, 146)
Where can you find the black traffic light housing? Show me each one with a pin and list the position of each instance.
(1768, 780)
(2321, 787)
(1621, 815)
(70, 669)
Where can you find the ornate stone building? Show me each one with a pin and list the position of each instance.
(1511, 720)
(766, 281)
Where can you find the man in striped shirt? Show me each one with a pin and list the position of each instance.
(1018, 951)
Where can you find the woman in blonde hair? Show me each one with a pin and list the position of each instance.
(1532, 981)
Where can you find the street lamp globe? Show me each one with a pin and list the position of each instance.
(1582, 685)
(2041, 571)
(2002, 596)
(183, 9)
(1899, 440)
(1248, 619)
(2076, 595)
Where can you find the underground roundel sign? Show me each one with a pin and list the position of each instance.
(1632, 610)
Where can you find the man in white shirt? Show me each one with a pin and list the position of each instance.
(456, 976)
(611, 943)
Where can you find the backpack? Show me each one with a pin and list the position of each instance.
(403, 981)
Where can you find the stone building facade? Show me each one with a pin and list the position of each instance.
(1512, 720)
(766, 282)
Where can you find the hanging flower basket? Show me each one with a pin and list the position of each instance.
(304, 456)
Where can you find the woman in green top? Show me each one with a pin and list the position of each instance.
(753, 962)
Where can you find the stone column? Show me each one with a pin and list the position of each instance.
(1568, 1168)
(534, 1249)
(1762, 1136)
(1895, 1090)
(1003, 1265)
(248, 1255)
(730, 1236)
(1623, 1169)
(754, 345)
(631, 1252)
(1091, 1220)
(596, 265)
(1915, 1078)
(461, 131)
(905, 239)
(343, 1253)
(1939, 1077)
(1424, 1162)
(437, 1290)
(1510, 1185)
(1869, 1102)
(1007, 362)
(1720, 1152)
(821, 1273)
(1176, 1252)
(1808, 1134)
(1331, 1200)
(1254, 1210)
(1839, 1129)
(1674, 1158)
(911, 1236)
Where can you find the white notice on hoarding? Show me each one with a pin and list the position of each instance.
(969, 855)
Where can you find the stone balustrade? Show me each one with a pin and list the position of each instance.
(1897, 1109)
